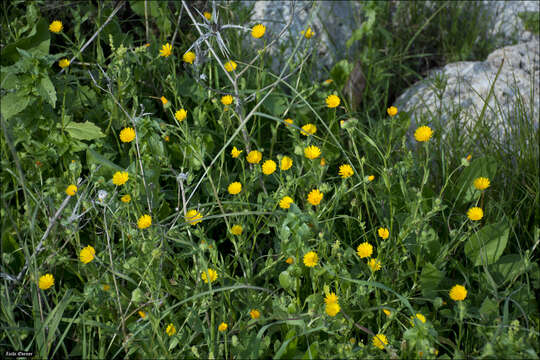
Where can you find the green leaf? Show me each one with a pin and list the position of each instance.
(464, 188)
(508, 267)
(487, 245)
(12, 104)
(365, 28)
(93, 157)
(489, 308)
(84, 131)
(36, 44)
(430, 279)
(47, 91)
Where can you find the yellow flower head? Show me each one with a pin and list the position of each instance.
(258, 31)
(193, 217)
(327, 82)
(207, 15)
(285, 163)
(469, 157)
(371, 177)
(392, 111)
(311, 259)
(481, 183)
(166, 50)
(235, 152)
(380, 341)
(255, 314)
(180, 115)
(87, 254)
(63, 63)
(323, 162)
(166, 138)
(237, 230)
(374, 264)
(315, 197)
(142, 314)
(308, 33)
(222, 327)
(227, 100)
(288, 122)
(458, 293)
(332, 101)
(189, 57)
(383, 233)
(171, 330)
(56, 26)
(420, 317)
(144, 222)
(209, 274)
(234, 188)
(346, 171)
(268, 167)
(120, 178)
(423, 134)
(254, 157)
(127, 135)
(71, 190)
(286, 202)
(308, 129)
(106, 287)
(230, 66)
(331, 298)
(387, 312)
(126, 198)
(164, 100)
(332, 309)
(46, 281)
(364, 250)
(312, 152)
(289, 260)
(475, 213)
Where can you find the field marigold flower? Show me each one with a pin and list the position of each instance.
(126, 198)
(222, 327)
(380, 341)
(308, 33)
(346, 171)
(371, 177)
(332, 309)
(331, 298)
(189, 57)
(207, 15)
(311, 259)
(164, 100)
(120, 178)
(332, 101)
(237, 230)
(235, 152)
(63, 63)
(258, 31)
(254, 157)
(315, 197)
(127, 135)
(481, 183)
(71, 190)
(383, 233)
(286, 202)
(193, 217)
(285, 163)
(420, 317)
(234, 188)
(392, 111)
(268, 167)
(227, 100)
(458, 293)
(142, 314)
(312, 152)
(364, 250)
(46, 281)
(209, 274)
(171, 330)
(374, 264)
(289, 260)
(387, 312)
(180, 115)
(288, 121)
(56, 26)
(166, 50)
(255, 314)
(475, 213)
(230, 66)
(323, 162)
(308, 129)
(144, 222)
(87, 254)
(469, 157)
(423, 134)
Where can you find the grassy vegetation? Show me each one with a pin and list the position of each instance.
(229, 271)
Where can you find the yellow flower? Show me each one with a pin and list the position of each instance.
(392, 111)
(332, 309)
(315, 197)
(46, 281)
(180, 115)
(255, 314)
(126, 198)
(144, 222)
(289, 260)
(166, 50)
(237, 230)
(171, 330)
(230, 66)
(56, 26)
(308, 33)
(387, 312)
(310, 259)
(209, 274)
(374, 264)
(346, 171)
(323, 162)
(189, 57)
(63, 63)
(235, 152)
(193, 217)
(120, 178)
(164, 100)
(331, 298)
(469, 157)
(481, 183)
(458, 293)
(106, 287)
(475, 213)
(380, 341)
(127, 135)
(254, 157)
(364, 250)
(222, 327)
(308, 129)
(166, 138)
(312, 152)
(71, 190)
(234, 188)
(327, 82)
(286, 202)
(258, 31)
(227, 100)
(207, 15)
(371, 177)
(288, 122)
(332, 101)
(383, 233)
(268, 167)
(285, 163)
(420, 317)
(423, 134)
(142, 314)
(87, 254)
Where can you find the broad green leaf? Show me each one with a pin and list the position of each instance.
(84, 131)
(12, 104)
(508, 267)
(36, 44)
(487, 245)
(47, 91)
(489, 308)
(9, 80)
(430, 279)
(93, 157)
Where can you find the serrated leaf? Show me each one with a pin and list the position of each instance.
(487, 245)
(84, 131)
(12, 104)
(47, 91)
